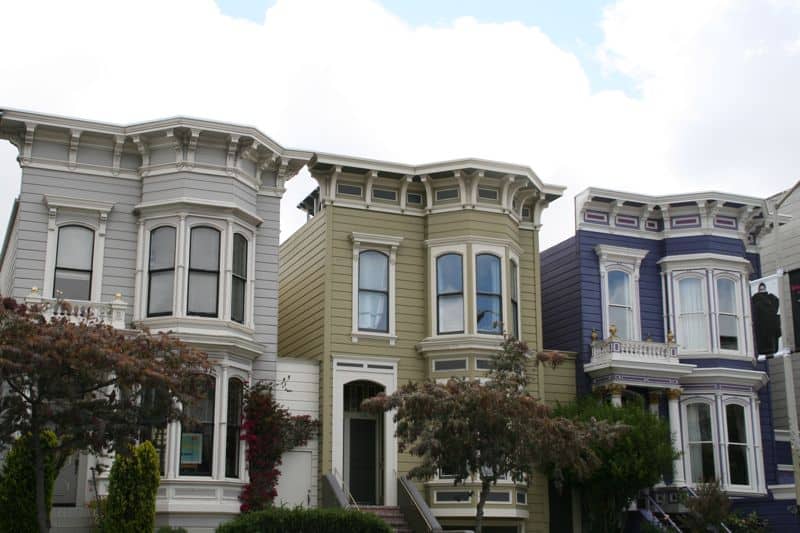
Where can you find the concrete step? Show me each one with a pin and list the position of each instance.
(391, 515)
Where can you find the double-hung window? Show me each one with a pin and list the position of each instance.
(161, 273)
(738, 445)
(514, 300)
(450, 294)
(233, 428)
(74, 257)
(701, 442)
(692, 317)
(727, 315)
(239, 278)
(373, 291)
(620, 305)
(489, 299)
(197, 435)
(203, 287)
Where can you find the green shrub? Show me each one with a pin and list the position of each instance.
(279, 520)
(132, 485)
(17, 484)
(171, 529)
(749, 523)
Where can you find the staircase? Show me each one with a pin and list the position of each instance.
(390, 515)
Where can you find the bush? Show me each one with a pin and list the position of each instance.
(18, 488)
(279, 520)
(171, 529)
(750, 523)
(132, 485)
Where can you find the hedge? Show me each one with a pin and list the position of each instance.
(132, 486)
(300, 520)
(17, 484)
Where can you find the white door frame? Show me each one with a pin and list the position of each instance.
(382, 371)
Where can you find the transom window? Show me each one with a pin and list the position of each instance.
(203, 288)
(727, 315)
(238, 278)
(450, 294)
(692, 318)
(489, 299)
(373, 291)
(161, 273)
(74, 257)
(620, 308)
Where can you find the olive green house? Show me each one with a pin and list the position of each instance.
(406, 273)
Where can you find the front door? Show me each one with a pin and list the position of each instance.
(362, 459)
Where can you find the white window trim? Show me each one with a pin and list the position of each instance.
(387, 244)
(702, 276)
(434, 252)
(70, 209)
(687, 458)
(739, 284)
(505, 304)
(626, 260)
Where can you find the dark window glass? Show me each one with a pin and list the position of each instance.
(487, 194)
(414, 198)
(449, 294)
(737, 445)
(450, 364)
(203, 272)
(501, 497)
(384, 194)
(373, 291)
(197, 436)
(489, 301)
(727, 315)
(483, 364)
(74, 255)
(155, 403)
(239, 278)
(161, 271)
(447, 194)
(234, 428)
(452, 496)
(514, 301)
(351, 190)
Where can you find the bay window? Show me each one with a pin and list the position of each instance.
(161, 272)
(233, 428)
(74, 258)
(449, 294)
(197, 435)
(692, 317)
(513, 274)
(203, 286)
(727, 314)
(373, 291)
(701, 443)
(488, 292)
(239, 278)
(738, 446)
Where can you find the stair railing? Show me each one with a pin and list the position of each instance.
(414, 509)
(652, 504)
(340, 480)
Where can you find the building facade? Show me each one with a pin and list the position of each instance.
(170, 225)
(660, 291)
(407, 273)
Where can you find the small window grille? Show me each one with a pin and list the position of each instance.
(447, 194)
(487, 194)
(349, 190)
(384, 194)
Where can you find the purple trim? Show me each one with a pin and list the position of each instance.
(627, 221)
(685, 221)
(719, 386)
(725, 222)
(652, 224)
(595, 217)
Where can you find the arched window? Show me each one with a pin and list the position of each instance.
(727, 316)
(239, 278)
(692, 319)
(489, 299)
(74, 257)
(738, 446)
(373, 291)
(203, 286)
(701, 442)
(234, 428)
(514, 300)
(620, 305)
(161, 271)
(449, 294)
(197, 435)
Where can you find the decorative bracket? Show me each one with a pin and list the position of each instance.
(233, 145)
(144, 150)
(119, 142)
(74, 140)
(191, 151)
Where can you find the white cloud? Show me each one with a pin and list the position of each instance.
(352, 78)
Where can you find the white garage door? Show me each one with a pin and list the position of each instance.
(294, 485)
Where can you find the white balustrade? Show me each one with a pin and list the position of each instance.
(77, 311)
(616, 348)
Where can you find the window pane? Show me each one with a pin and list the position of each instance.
(622, 317)
(162, 248)
(618, 288)
(449, 274)
(699, 422)
(728, 332)
(72, 285)
(490, 316)
(737, 464)
(513, 280)
(691, 294)
(232, 444)
(702, 460)
(488, 273)
(237, 299)
(160, 297)
(75, 246)
(373, 310)
(204, 249)
(202, 293)
(726, 294)
(515, 320)
(197, 436)
(736, 426)
(240, 256)
(693, 332)
(373, 271)
(451, 313)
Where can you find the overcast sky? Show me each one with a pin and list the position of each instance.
(647, 97)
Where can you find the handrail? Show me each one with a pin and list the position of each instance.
(414, 509)
(659, 509)
(691, 491)
(332, 493)
(340, 481)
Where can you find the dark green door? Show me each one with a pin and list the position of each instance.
(363, 460)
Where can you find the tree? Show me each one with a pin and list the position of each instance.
(132, 486)
(269, 431)
(489, 430)
(85, 382)
(634, 461)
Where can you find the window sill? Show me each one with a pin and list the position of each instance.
(470, 343)
(374, 335)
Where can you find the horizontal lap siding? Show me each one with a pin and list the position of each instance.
(704, 244)
(265, 306)
(561, 296)
(199, 186)
(301, 307)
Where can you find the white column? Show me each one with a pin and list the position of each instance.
(678, 476)
(655, 398)
(616, 394)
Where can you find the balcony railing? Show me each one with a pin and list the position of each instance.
(614, 348)
(77, 311)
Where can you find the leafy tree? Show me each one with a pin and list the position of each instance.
(85, 382)
(132, 486)
(490, 430)
(17, 491)
(269, 431)
(631, 463)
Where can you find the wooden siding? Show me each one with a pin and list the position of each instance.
(195, 185)
(265, 306)
(561, 296)
(468, 222)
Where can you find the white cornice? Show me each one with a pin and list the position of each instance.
(702, 261)
(175, 204)
(54, 201)
(729, 376)
(618, 254)
(382, 240)
(622, 196)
